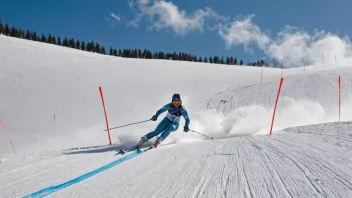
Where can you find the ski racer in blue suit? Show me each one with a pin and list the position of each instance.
(169, 123)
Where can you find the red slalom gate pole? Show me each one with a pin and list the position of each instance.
(8, 137)
(277, 99)
(339, 81)
(106, 117)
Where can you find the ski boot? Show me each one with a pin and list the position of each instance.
(143, 139)
(157, 142)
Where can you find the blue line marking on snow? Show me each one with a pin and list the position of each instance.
(51, 189)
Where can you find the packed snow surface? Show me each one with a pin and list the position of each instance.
(52, 110)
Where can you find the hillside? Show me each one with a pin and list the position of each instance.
(308, 155)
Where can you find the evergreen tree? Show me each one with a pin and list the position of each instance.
(97, 47)
(72, 43)
(175, 56)
(14, 32)
(93, 48)
(149, 55)
(119, 54)
(124, 53)
(111, 52)
(18, 33)
(135, 53)
(88, 47)
(50, 39)
(7, 30)
(216, 60)
(161, 55)
(235, 61)
(83, 46)
(228, 61)
(78, 45)
(140, 55)
(195, 58)
(59, 41)
(200, 59)
(168, 56)
(103, 50)
(43, 39)
(1, 28)
(211, 60)
(205, 59)
(241, 62)
(34, 36)
(222, 61)
(21, 34)
(65, 42)
(183, 56)
(28, 35)
(53, 40)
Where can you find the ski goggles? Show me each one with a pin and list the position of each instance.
(177, 102)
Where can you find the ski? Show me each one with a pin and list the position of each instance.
(122, 151)
(145, 150)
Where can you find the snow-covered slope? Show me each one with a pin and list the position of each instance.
(304, 99)
(38, 81)
(311, 161)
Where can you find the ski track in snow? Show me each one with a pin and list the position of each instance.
(296, 162)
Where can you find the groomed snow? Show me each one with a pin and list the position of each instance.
(308, 155)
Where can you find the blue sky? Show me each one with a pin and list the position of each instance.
(244, 29)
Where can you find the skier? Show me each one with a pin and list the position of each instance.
(170, 122)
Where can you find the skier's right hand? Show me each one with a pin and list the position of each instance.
(185, 129)
(154, 118)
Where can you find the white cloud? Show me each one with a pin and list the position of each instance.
(291, 44)
(115, 16)
(166, 15)
(144, 1)
(243, 32)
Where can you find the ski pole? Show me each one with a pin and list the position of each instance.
(201, 134)
(128, 124)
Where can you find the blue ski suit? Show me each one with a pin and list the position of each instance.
(171, 121)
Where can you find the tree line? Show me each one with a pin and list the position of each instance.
(93, 46)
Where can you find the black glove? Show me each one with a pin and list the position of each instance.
(154, 118)
(185, 129)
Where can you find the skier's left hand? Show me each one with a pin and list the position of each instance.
(185, 129)
(154, 118)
